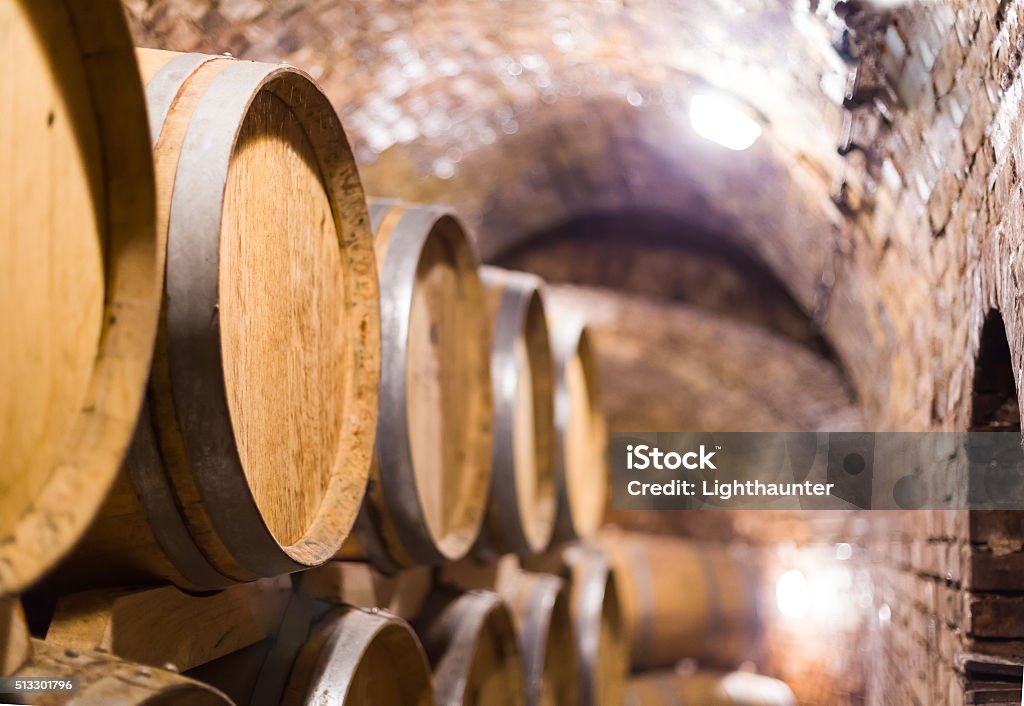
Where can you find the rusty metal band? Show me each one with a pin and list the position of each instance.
(163, 88)
(589, 609)
(345, 640)
(399, 486)
(452, 673)
(534, 632)
(293, 634)
(565, 340)
(194, 342)
(147, 470)
(517, 290)
(156, 497)
(371, 540)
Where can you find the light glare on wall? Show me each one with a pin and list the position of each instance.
(792, 595)
(724, 121)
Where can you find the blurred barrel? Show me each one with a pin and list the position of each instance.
(79, 295)
(707, 689)
(582, 460)
(521, 510)
(358, 657)
(602, 647)
(471, 644)
(683, 600)
(251, 456)
(108, 681)
(539, 604)
(428, 489)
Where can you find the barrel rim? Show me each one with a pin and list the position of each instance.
(416, 226)
(341, 640)
(571, 337)
(483, 610)
(194, 347)
(531, 532)
(89, 461)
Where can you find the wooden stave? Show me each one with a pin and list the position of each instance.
(601, 654)
(539, 604)
(570, 337)
(243, 547)
(450, 628)
(722, 634)
(86, 469)
(513, 295)
(109, 681)
(392, 530)
(707, 689)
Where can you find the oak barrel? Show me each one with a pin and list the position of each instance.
(471, 644)
(354, 657)
(539, 604)
(521, 510)
(428, 486)
(251, 455)
(582, 459)
(108, 681)
(681, 599)
(602, 643)
(707, 689)
(79, 296)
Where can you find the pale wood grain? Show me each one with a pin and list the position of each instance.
(78, 291)
(164, 625)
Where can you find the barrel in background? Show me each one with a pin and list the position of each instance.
(539, 604)
(521, 510)
(714, 620)
(582, 459)
(471, 644)
(251, 456)
(428, 489)
(684, 688)
(80, 292)
(602, 642)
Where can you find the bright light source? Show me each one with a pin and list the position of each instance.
(724, 121)
(792, 595)
(843, 551)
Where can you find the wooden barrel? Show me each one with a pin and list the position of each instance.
(79, 296)
(358, 657)
(325, 654)
(471, 644)
(108, 681)
(539, 604)
(251, 456)
(521, 510)
(602, 646)
(582, 459)
(683, 600)
(428, 487)
(707, 689)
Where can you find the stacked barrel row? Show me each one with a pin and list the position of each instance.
(225, 368)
